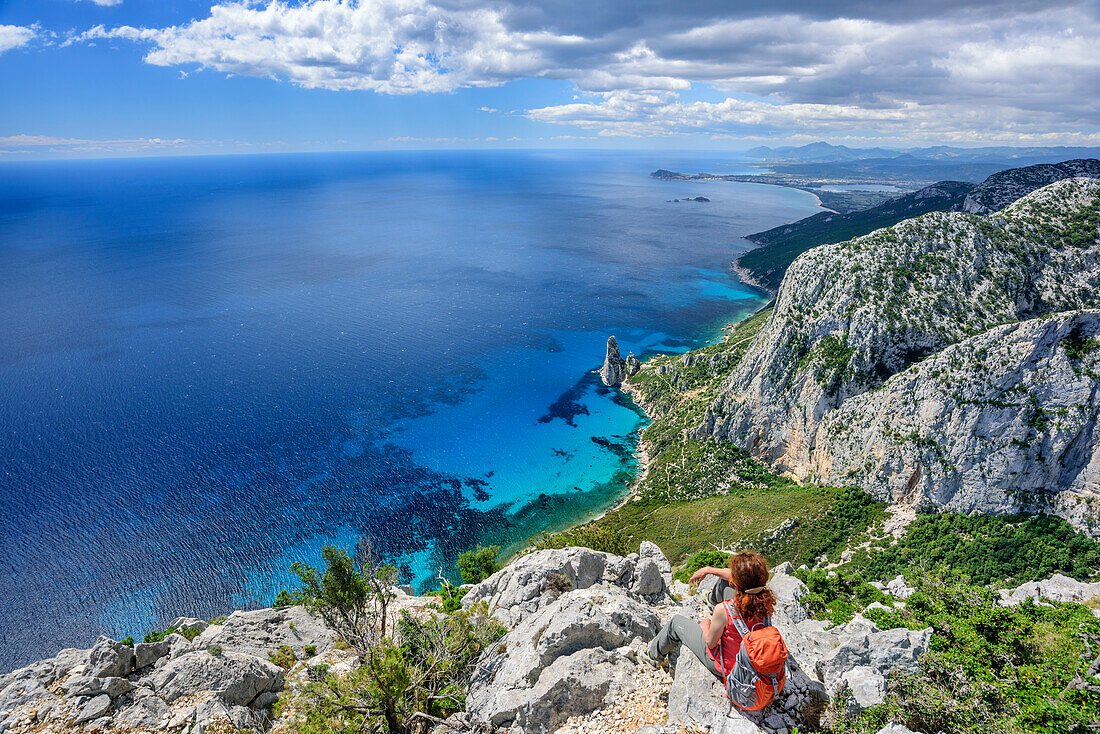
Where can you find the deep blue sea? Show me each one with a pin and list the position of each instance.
(211, 367)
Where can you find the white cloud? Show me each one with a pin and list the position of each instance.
(14, 36)
(104, 3)
(23, 144)
(939, 68)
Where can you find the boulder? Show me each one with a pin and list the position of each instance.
(237, 679)
(188, 623)
(648, 579)
(109, 659)
(561, 661)
(85, 685)
(20, 693)
(147, 653)
(897, 588)
(264, 630)
(696, 699)
(868, 687)
(49, 670)
(535, 580)
(93, 709)
(146, 712)
(863, 644)
(653, 552)
(895, 729)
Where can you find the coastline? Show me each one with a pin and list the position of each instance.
(642, 453)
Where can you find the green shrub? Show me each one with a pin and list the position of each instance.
(310, 650)
(837, 596)
(283, 657)
(128, 640)
(479, 564)
(592, 535)
(718, 559)
(190, 633)
(991, 668)
(989, 548)
(450, 597)
(215, 650)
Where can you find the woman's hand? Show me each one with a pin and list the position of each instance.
(701, 574)
(705, 625)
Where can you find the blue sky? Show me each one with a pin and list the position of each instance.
(133, 77)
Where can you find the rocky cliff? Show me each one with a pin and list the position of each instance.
(852, 315)
(1001, 189)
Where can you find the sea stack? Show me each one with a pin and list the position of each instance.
(613, 371)
(632, 365)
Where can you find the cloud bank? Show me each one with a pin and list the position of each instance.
(14, 36)
(1014, 70)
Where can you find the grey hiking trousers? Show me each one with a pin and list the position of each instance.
(683, 631)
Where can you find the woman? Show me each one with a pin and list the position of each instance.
(741, 591)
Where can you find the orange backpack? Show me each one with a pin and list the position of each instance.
(759, 671)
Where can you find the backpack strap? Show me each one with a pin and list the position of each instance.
(736, 621)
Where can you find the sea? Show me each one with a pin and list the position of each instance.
(212, 367)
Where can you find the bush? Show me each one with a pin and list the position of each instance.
(128, 640)
(718, 559)
(1026, 668)
(190, 633)
(450, 597)
(404, 687)
(989, 548)
(592, 536)
(479, 564)
(310, 650)
(215, 650)
(839, 595)
(283, 657)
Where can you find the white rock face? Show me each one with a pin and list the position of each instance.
(534, 581)
(1003, 422)
(562, 661)
(1001, 189)
(264, 630)
(1056, 588)
(237, 679)
(851, 316)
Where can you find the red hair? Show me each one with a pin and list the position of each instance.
(749, 572)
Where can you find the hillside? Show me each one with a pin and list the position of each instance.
(851, 315)
(779, 246)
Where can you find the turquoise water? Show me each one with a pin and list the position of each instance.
(211, 367)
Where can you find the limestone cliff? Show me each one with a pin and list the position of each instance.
(851, 315)
(1001, 189)
(1003, 421)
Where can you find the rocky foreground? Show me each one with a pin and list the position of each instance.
(571, 662)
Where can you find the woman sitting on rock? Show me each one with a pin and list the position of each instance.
(742, 592)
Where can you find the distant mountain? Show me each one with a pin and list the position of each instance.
(823, 152)
(819, 153)
(766, 265)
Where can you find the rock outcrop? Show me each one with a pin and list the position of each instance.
(1005, 421)
(536, 580)
(613, 371)
(224, 675)
(851, 316)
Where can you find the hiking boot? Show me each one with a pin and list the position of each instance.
(653, 662)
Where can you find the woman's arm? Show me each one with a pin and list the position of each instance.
(714, 627)
(705, 571)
